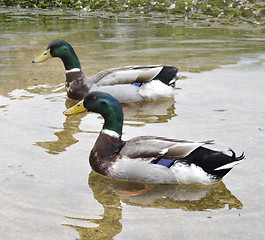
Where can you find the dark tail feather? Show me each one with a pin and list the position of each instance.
(234, 157)
(168, 75)
(223, 170)
(234, 161)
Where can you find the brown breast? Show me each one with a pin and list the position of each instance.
(75, 85)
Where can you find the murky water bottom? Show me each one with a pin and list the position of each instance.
(48, 190)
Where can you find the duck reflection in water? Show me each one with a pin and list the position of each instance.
(137, 114)
(110, 193)
(65, 135)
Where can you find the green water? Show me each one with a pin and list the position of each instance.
(47, 188)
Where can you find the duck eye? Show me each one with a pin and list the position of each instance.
(78, 105)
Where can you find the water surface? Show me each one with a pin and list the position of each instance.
(48, 190)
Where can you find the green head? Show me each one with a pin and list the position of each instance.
(104, 104)
(63, 50)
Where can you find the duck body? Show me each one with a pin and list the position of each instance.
(127, 84)
(150, 159)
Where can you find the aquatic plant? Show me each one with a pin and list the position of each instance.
(189, 8)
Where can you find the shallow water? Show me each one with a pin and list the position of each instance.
(47, 188)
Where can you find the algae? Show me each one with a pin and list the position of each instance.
(217, 12)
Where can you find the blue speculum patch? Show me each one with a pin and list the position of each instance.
(137, 84)
(165, 162)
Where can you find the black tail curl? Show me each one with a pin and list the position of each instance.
(234, 157)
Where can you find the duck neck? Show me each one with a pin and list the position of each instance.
(113, 117)
(109, 143)
(71, 61)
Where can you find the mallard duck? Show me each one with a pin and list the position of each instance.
(127, 84)
(149, 159)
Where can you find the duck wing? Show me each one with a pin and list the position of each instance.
(150, 147)
(132, 74)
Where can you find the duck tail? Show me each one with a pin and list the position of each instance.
(239, 158)
(234, 161)
(168, 75)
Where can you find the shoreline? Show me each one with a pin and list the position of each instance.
(198, 20)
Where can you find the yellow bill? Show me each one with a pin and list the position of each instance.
(78, 108)
(43, 57)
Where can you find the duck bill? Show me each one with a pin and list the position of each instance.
(43, 57)
(78, 108)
